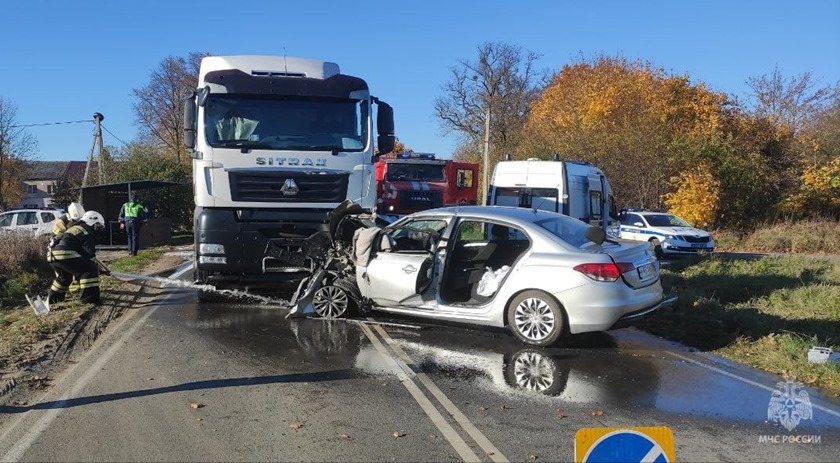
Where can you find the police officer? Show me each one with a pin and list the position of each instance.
(132, 216)
(75, 211)
(73, 256)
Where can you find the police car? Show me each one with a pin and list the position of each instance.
(668, 233)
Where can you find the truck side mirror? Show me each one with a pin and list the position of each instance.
(385, 128)
(190, 112)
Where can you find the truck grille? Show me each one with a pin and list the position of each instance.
(420, 200)
(696, 239)
(315, 187)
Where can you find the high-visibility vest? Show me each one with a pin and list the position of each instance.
(132, 210)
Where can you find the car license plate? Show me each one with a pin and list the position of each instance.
(698, 245)
(647, 271)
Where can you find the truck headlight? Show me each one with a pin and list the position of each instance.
(205, 248)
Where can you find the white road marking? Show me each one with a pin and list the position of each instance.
(445, 428)
(49, 416)
(450, 407)
(747, 381)
(41, 425)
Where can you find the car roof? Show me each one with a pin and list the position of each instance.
(61, 211)
(521, 214)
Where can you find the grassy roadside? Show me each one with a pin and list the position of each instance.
(21, 330)
(807, 237)
(765, 313)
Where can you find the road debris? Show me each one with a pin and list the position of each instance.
(344, 435)
(296, 425)
(196, 405)
(397, 434)
(597, 413)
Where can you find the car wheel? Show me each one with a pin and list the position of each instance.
(331, 301)
(657, 247)
(535, 318)
(532, 370)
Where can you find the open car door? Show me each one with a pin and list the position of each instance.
(401, 270)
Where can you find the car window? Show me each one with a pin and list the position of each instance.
(633, 218)
(666, 220)
(472, 231)
(6, 220)
(417, 235)
(567, 229)
(47, 217)
(27, 218)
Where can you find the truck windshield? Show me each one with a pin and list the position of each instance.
(415, 172)
(285, 123)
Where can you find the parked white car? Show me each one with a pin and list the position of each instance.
(668, 233)
(541, 274)
(36, 221)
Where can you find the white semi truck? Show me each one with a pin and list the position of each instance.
(576, 189)
(277, 143)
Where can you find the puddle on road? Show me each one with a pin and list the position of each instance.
(622, 369)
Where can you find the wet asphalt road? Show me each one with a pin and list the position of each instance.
(271, 388)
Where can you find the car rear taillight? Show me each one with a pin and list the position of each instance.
(604, 272)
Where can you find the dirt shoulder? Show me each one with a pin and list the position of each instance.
(34, 349)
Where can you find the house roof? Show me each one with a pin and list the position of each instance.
(46, 170)
(76, 169)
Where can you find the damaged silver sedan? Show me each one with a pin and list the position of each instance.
(541, 274)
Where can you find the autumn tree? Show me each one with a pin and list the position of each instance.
(159, 105)
(16, 147)
(486, 100)
(635, 121)
(696, 196)
(791, 101)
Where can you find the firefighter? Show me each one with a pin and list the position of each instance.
(75, 211)
(73, 255)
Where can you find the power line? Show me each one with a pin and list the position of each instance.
(118, 138)
(50, 123)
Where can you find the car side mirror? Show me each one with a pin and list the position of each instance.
(596, 235)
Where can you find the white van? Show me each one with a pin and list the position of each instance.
(576, 189)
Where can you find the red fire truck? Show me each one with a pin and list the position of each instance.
(411, 182)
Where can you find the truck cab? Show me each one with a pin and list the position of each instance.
(277, 143)
(410, 182)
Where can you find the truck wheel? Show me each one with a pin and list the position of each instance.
(200, 277)
(535, 318)
(331, 301)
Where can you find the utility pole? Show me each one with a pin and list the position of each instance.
(97, 138)
(486, 167)
(2, 142)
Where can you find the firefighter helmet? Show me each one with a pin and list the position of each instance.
(75, 211)
(93, 219)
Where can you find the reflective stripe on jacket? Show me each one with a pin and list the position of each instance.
(76, 242)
